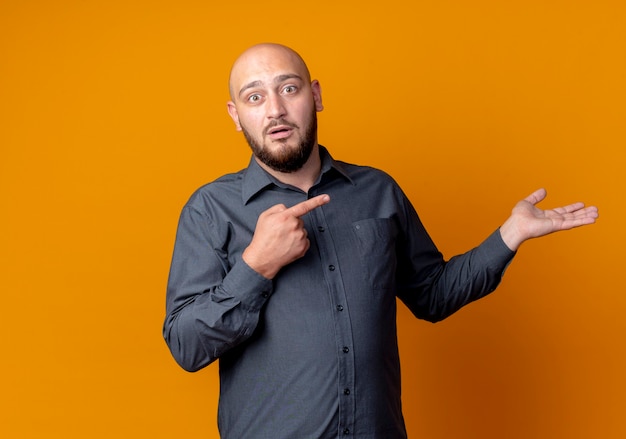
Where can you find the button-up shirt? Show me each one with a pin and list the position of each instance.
(313, 352)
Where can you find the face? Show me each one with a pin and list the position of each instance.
(274, 104)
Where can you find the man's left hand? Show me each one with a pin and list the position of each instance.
(528, 221)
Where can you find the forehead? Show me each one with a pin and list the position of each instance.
(266, 64)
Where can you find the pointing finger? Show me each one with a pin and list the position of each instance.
(305, 207)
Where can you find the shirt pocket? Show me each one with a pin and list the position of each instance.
(376, 245)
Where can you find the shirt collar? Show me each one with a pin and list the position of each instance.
(256, 178)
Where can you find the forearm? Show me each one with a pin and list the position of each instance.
(213, 297)
(473, 275)
(460, 281)
(203, 323)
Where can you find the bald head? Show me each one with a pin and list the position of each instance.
(265, 58)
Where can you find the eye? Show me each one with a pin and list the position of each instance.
(290, 89)
(254, 98)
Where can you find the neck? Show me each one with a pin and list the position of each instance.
(305, 177)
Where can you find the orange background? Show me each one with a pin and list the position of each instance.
(113, 112)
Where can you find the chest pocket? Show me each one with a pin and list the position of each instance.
(376, 238)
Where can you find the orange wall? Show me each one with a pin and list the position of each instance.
(113, 112)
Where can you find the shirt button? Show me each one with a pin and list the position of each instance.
(265, 294)
(339, 307)
(331, 267)
(346, 391)
(321, 228)
(346, 349)
(346, 431)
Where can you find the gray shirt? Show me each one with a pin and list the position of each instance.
(312, 353)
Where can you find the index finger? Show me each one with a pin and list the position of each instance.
(305, 207)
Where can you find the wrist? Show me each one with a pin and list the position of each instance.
(258, 264)
(510, 235)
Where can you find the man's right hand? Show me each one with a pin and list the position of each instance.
(280, 237)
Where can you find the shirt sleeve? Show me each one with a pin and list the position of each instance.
(433, 288)
(210, 306)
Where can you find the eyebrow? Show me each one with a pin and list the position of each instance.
(277, 80)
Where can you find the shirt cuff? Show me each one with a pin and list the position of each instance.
(247, 286)
(495, 253)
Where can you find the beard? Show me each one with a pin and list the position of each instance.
(286, 159)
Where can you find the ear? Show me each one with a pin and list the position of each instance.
(232, 111)
(317, 95)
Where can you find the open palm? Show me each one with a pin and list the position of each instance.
(528, 221)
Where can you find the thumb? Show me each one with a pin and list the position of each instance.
(536, 196)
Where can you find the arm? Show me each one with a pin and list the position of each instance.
(436, 289)
(442, 288)
(211, 306)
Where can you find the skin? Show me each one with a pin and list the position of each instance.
(273, 101)
(527, 221)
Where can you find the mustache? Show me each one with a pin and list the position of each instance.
(279, 122)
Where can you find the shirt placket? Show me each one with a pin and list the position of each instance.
(346, 391)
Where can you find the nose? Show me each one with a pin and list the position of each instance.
(275, 107)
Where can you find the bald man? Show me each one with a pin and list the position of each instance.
(288, 271)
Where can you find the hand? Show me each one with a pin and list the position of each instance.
(280, 237)
(528, 221)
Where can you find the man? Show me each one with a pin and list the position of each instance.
(288, 271)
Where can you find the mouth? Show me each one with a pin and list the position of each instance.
(280, 132)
